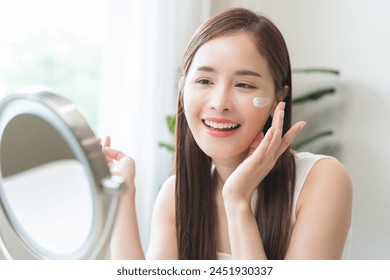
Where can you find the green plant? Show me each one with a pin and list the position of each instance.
(312, 96)
(171, 124)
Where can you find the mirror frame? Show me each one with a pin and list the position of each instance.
(106, 190)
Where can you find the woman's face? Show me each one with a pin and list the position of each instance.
(226, 75)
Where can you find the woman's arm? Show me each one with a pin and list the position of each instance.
(244, 236)
(125, 238)
(245, 240)
(323, 218)
(323, 213)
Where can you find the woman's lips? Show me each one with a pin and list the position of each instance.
(220, 127)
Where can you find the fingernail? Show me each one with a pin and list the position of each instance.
(282, 105)
(282, 114)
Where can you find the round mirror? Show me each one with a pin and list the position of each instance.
(57, 195)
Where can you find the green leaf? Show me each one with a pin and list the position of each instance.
(313, 138)
(313, 95)
(171, 122)
(316, 70)
(167, 146)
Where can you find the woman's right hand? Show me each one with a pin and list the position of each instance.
(120, 164)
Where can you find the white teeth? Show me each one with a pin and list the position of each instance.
(221, 125)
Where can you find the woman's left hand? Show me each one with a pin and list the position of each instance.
(263, 154)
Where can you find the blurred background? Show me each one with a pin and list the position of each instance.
(118, 61)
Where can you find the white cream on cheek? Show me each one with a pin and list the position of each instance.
(260, 102)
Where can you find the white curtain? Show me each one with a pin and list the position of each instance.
(144, 43)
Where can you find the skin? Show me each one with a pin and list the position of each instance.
(260, 102)
(217, 88)
(223, 89)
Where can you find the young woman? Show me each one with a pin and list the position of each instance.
(239, 190)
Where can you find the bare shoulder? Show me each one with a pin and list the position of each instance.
(324, 210)
(166, 195)
(330, 174)
(328, 179)
(162, 243)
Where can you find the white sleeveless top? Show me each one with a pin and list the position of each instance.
(304, 163)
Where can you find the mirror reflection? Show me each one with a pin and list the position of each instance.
(45, 190)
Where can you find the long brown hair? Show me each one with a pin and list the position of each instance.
(195, 186)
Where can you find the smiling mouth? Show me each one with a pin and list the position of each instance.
(221, 125)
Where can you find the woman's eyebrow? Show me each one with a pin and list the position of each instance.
(247, 73)
(238, 73)
(206, 69)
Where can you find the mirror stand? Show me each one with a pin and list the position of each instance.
(58, 198)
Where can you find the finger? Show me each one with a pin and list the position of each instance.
(278, 119)
(107, 142)
(256, 142)
(278, 108)
(262, 145)
(109, 156)
(278, 126)
(125, 168)
(113, 154)
(289, 137)
(259, 152)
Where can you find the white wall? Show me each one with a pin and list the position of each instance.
(354, 37)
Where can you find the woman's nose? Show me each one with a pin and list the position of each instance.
(221, 99)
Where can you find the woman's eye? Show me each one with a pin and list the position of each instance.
(245, 85)
(204, 82)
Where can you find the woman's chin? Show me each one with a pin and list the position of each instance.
(219, 154)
